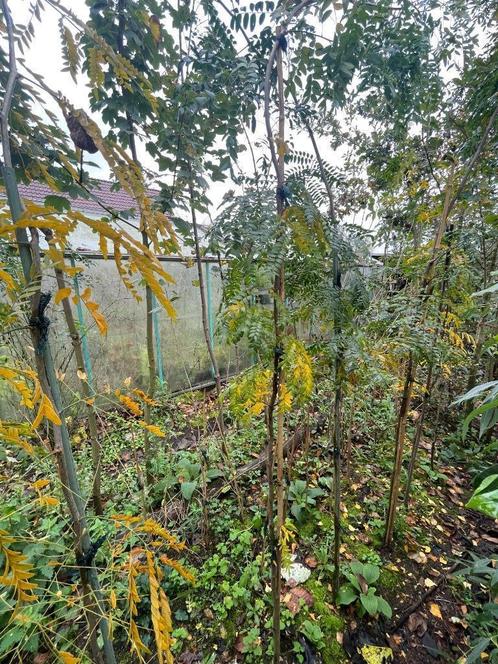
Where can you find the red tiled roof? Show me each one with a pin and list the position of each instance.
(118, 200)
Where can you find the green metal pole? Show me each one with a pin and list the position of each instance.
(83, 336)
(157, 340)
(209, 308)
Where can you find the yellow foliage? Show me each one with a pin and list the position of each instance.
(67, 658)
(95, 70)
(161, 614)
(47, 410)
(250, 393)
(297, 368)
(13, 435)
(17, 571)
(376, 654)
(142, 260)
(287, 536)
(40, 484)
(182, 571)
(48, 501)
(152, 428)
(61, 294)
(284, 399)
(305, 232)
(17, 380)
(155, 28)
(128, 402)
(136, 642)
(153, 528)
(6, 278)
(145, 397)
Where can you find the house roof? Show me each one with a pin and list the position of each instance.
(118, 200)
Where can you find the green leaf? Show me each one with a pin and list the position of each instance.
(475, 392)
(384, 607)
(490, 289)
(357, 568)
(296, 510)
(480, 646)
(347, 594)
(370, 573)
(370, 602)
(187, 489)
(58, 202)
(214, 473)
(485, 499)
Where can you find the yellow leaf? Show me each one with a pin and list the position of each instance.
(98, 317)
(132, 406)
(5, 276)
(67, 658)
(281, 147)
(153, 429)
(103, 246)
(48, 501)
(436, 611)
(61, 294)
(376, 654)
(81, 374)
(113, 599)
(72, 271)
(85, 295)
(40, 484)
(47, 410)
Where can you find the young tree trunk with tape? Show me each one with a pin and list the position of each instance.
(88, 396)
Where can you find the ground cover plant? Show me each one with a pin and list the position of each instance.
(337, 499)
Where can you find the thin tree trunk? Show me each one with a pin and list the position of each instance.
(336, 430)
(279, 297)
(418, 434)
(349, 440)
(149, 299)
(149, 302)
(202, 290)
(87, 394)
(337, 440)
(31, 265)
(398, 453)
(277, 158)
(435, 433)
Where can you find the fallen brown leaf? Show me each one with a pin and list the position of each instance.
(417, 623)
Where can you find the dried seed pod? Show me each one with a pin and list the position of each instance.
(80, 136)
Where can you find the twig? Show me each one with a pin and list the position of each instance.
(413, 607)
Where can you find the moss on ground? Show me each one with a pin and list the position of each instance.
(330, 623)
(388, 579)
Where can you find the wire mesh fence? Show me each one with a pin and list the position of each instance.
(181, 353)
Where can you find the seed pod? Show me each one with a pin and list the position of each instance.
(79, 135)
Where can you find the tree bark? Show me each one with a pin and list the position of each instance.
(88, 396)
(398, 450)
